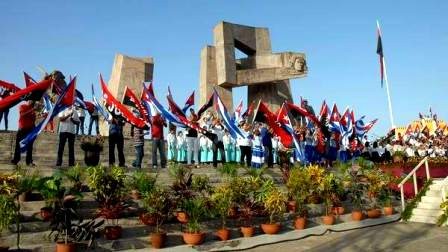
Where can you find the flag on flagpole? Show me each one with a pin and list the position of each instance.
(65, 100)
(284, 119)
(33, 92)
(379, 51)
(188, 103)
(227, 121)
(107, 116)
(9, 86)
(130, 99)
(28, 79)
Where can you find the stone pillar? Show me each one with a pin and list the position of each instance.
(131, 72)
(272, 93)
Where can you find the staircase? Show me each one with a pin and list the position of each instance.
(428, 209)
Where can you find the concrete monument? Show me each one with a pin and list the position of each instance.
(131, 72)
(266, 74)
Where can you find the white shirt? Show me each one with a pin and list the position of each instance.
(68, 125)
(81, 112)
(226, 140)
(171, 139)
(219, 131)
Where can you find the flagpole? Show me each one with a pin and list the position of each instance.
(391, 115)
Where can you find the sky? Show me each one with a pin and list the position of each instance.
(338, 37)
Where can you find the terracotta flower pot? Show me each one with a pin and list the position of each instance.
(388, 210)
(300, 223)
(147, 219)
(356, 215)
(248, 231)
(182, 217)
(112, 232)
(193, 238)
(328, 219)
(374, 213)
(62, 247)
(46, 213)
(158, 240)
(135, 195)
(338, 210)
(223, 234)
(291, 205)
(270, 228)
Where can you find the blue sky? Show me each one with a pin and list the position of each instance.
(338, 37)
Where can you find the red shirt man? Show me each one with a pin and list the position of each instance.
(158, 144)
(27, 118)
(157, 127)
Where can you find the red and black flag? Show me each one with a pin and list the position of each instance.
(12, 88)
(188, 103)
(28, 79)
(33, 92)
(206, 106)
(118, 110)
(379, 51)
(130, 99)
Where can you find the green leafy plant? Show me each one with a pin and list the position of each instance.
(274, 204)
(327, 188)
(157, 203)
(229, 169)
(377, 183)
(141, 181)
(298, 188)
(8, 211)
(201, 184)
(222, 199)
(75, 176)
(51, 190)
(443, 218)
(196, 209)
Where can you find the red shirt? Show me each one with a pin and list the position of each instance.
(157, 127)
(27, 116)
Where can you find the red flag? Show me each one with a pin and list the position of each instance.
(263, 114)
(28, 79)
(190, 101)
(353, 117)
(9, 86)
(206, 106)
(118, 110)
(297, 111)
(344, 117)
(33, 92)
(248, 111)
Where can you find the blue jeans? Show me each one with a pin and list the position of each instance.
(138, 156)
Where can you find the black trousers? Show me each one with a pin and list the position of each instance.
(64, 137)
(158, 144)
(269, 156)
(94, 119)
(246, 151)
(21, 134)
(215, 147)
(116, 140)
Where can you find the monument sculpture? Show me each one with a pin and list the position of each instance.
(131, 72)
(266, 74)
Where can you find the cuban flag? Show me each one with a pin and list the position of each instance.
(237, 113)
(284, 120)
(47, 103)
(107, 116)
(152, 101)
(347, 131)
(361, 129)
(188, 103)
(226, 119)
(335, 118)
(65, 100)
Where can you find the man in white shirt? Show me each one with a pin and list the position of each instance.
(68, 119)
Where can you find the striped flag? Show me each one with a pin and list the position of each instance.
(226, 119)
(188, 103)
(379, 51)
(65, 100)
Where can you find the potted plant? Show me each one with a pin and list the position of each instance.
(7, 213)
(357, 192)
(316, 174)
(398, 157)
(181, 189)
(376, 183)
(157, 203)
(326, 189)
(385, 195)
(75, 175)
(92, 147)
(244, 197)
(274, 204)
(140, 183)
(51, 190)
(108, 187)
(442, 219)
(298, 188)
(196, 208)
(222, 200)
(67, 229)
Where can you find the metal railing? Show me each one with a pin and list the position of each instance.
(444, 185)
(413, 173)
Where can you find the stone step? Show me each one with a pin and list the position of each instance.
(434, 193)
(427, 212)
(423, 219)
(431, 199)
(428, 205)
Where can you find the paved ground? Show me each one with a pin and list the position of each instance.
(398, 236)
